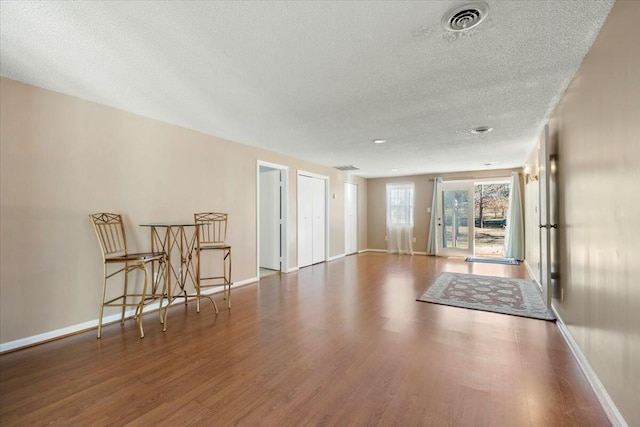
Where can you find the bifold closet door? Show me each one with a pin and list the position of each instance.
(311, 220)
(318, 223)
(305, 218)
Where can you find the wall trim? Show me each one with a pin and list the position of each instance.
(292, 270)
(242, 283)
(613, 414)
(531, 275)
(93, 324)
(362, 251)
(333, 258)
(60, 333)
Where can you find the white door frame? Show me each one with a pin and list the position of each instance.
(284, 206)
(462, 185)
(544, 176)
(326, 214)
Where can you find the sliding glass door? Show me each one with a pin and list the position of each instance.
(455, 219)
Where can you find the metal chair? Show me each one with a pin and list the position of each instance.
(109, 230)
(212, 237)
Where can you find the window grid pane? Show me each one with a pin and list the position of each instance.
(400, 199)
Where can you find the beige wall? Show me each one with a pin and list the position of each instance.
(62, 158)
(597, 128)
(376, 204)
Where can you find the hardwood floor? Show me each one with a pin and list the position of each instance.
(336, 344)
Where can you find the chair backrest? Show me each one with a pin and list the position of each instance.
(213, 228)
(110, 233)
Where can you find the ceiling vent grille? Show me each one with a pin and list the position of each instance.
(347, 168)
(465, 17)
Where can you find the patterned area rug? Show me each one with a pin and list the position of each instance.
(517, 297)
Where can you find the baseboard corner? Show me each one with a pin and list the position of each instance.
(609, 407)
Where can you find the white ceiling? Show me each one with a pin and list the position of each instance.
(316, 80)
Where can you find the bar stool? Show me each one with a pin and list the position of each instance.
(109, 230)
(212, 237)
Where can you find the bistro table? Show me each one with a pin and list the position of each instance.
(180, 241)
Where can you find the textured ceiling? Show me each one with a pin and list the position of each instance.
(316, 80)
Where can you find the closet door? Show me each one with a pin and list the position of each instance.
(319, 219)
(305, 218)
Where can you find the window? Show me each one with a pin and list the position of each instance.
(400, 204)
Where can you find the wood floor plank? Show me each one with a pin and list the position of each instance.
(335, 344)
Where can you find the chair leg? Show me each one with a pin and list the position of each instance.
(140, 307)
(167, 285)
(199, 293)
(227, 280)
(162, 273)
(198, 276)
(198, 289)
(104, 290)
(124, 294)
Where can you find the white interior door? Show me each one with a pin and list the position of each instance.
(305, 218)
(319, 218)
(455, 219)
(350, 218)
(270, 221)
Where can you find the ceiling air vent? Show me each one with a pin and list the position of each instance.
(465, 16)
(347, 168)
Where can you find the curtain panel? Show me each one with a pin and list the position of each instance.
(514, 236)
(431, 241)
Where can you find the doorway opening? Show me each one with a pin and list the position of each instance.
(271, 224)
(472, 217)
(491, 207)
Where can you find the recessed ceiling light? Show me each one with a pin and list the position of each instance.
(394, 170)
(379, 141)
(481, 129)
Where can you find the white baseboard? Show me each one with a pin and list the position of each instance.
(333, 258)
(531, 275)
(615, 417)
(244, 282)
(58, 333)
(292, 270)
(93, 324)
(384, 251)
